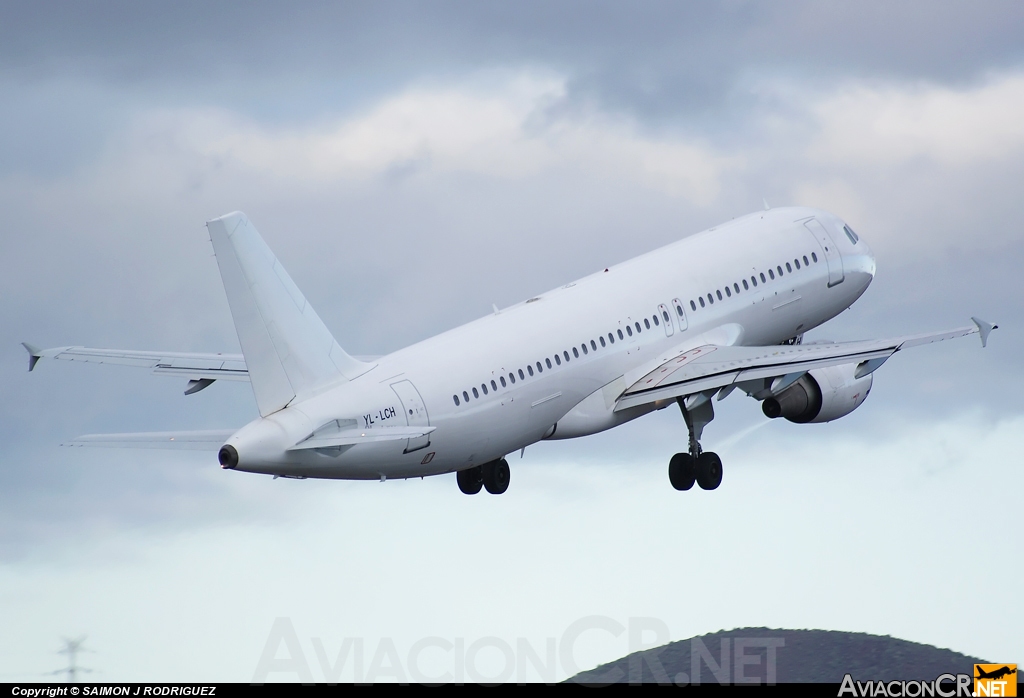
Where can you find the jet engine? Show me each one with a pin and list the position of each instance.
(820, 395)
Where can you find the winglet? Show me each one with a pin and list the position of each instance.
(984, 329)
(34, 354)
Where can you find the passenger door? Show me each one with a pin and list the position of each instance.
(833, 259)
(415, 412)
(680, 313)
(666, 318)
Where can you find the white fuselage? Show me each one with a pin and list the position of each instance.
(428, 383)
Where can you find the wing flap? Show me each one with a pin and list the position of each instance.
(177, 440)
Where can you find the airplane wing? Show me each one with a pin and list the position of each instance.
(711, 367)
(186, 440)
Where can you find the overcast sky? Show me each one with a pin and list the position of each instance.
(413, 163)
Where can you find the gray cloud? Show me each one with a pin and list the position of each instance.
(653, 57)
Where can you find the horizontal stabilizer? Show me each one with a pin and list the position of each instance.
(185, 365)
(351, 437)
(709, 367)
(179, 440)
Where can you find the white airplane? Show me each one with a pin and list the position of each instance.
(692, 321)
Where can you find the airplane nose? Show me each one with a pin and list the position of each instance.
(859, 261)
(869, 259)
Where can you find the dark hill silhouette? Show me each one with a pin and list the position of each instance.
(801, 656)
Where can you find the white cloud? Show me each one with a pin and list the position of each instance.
(887, 124)
(504, 129)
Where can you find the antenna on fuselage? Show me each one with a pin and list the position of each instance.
(766, 206)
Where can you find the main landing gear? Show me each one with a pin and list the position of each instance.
(704, 468)
(493, 476)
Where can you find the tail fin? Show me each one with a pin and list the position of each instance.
(287, 349)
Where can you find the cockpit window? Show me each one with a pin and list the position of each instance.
(850, 234)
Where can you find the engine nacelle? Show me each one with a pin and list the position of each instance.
(820, 395)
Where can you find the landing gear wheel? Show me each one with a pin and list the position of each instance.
(496, 476)
(681, 471)
(709, 470)
(470, 480)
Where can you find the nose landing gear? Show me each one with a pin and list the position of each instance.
(704, 468)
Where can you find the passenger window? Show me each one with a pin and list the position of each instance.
(584, 348)
(771, 274)
(647, 323)
(529, 369)
(521, 376)
(456, 398)
(548, 362)
(629, 330)
(566, 355)
(602, 342)
(465, 396)
(814, 257)
(558, 360)
(512, 377)
(736, 287)
(728, 292)
(719, 294)
(494, 386)
(483, 387)
(796, 263)
(711, 299)
(502, 379)
(694, 305)
(788, 268)
(701, 299)
(540, 369)
(763, 280)
(576, 352)
(655, 318)
(611, 338)
(593, 345)
(637, 327)
(780, 270)
(620, 333)
(806, 263)
(475, 393)
(746, 286)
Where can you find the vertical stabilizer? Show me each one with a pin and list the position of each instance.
(288, 350)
